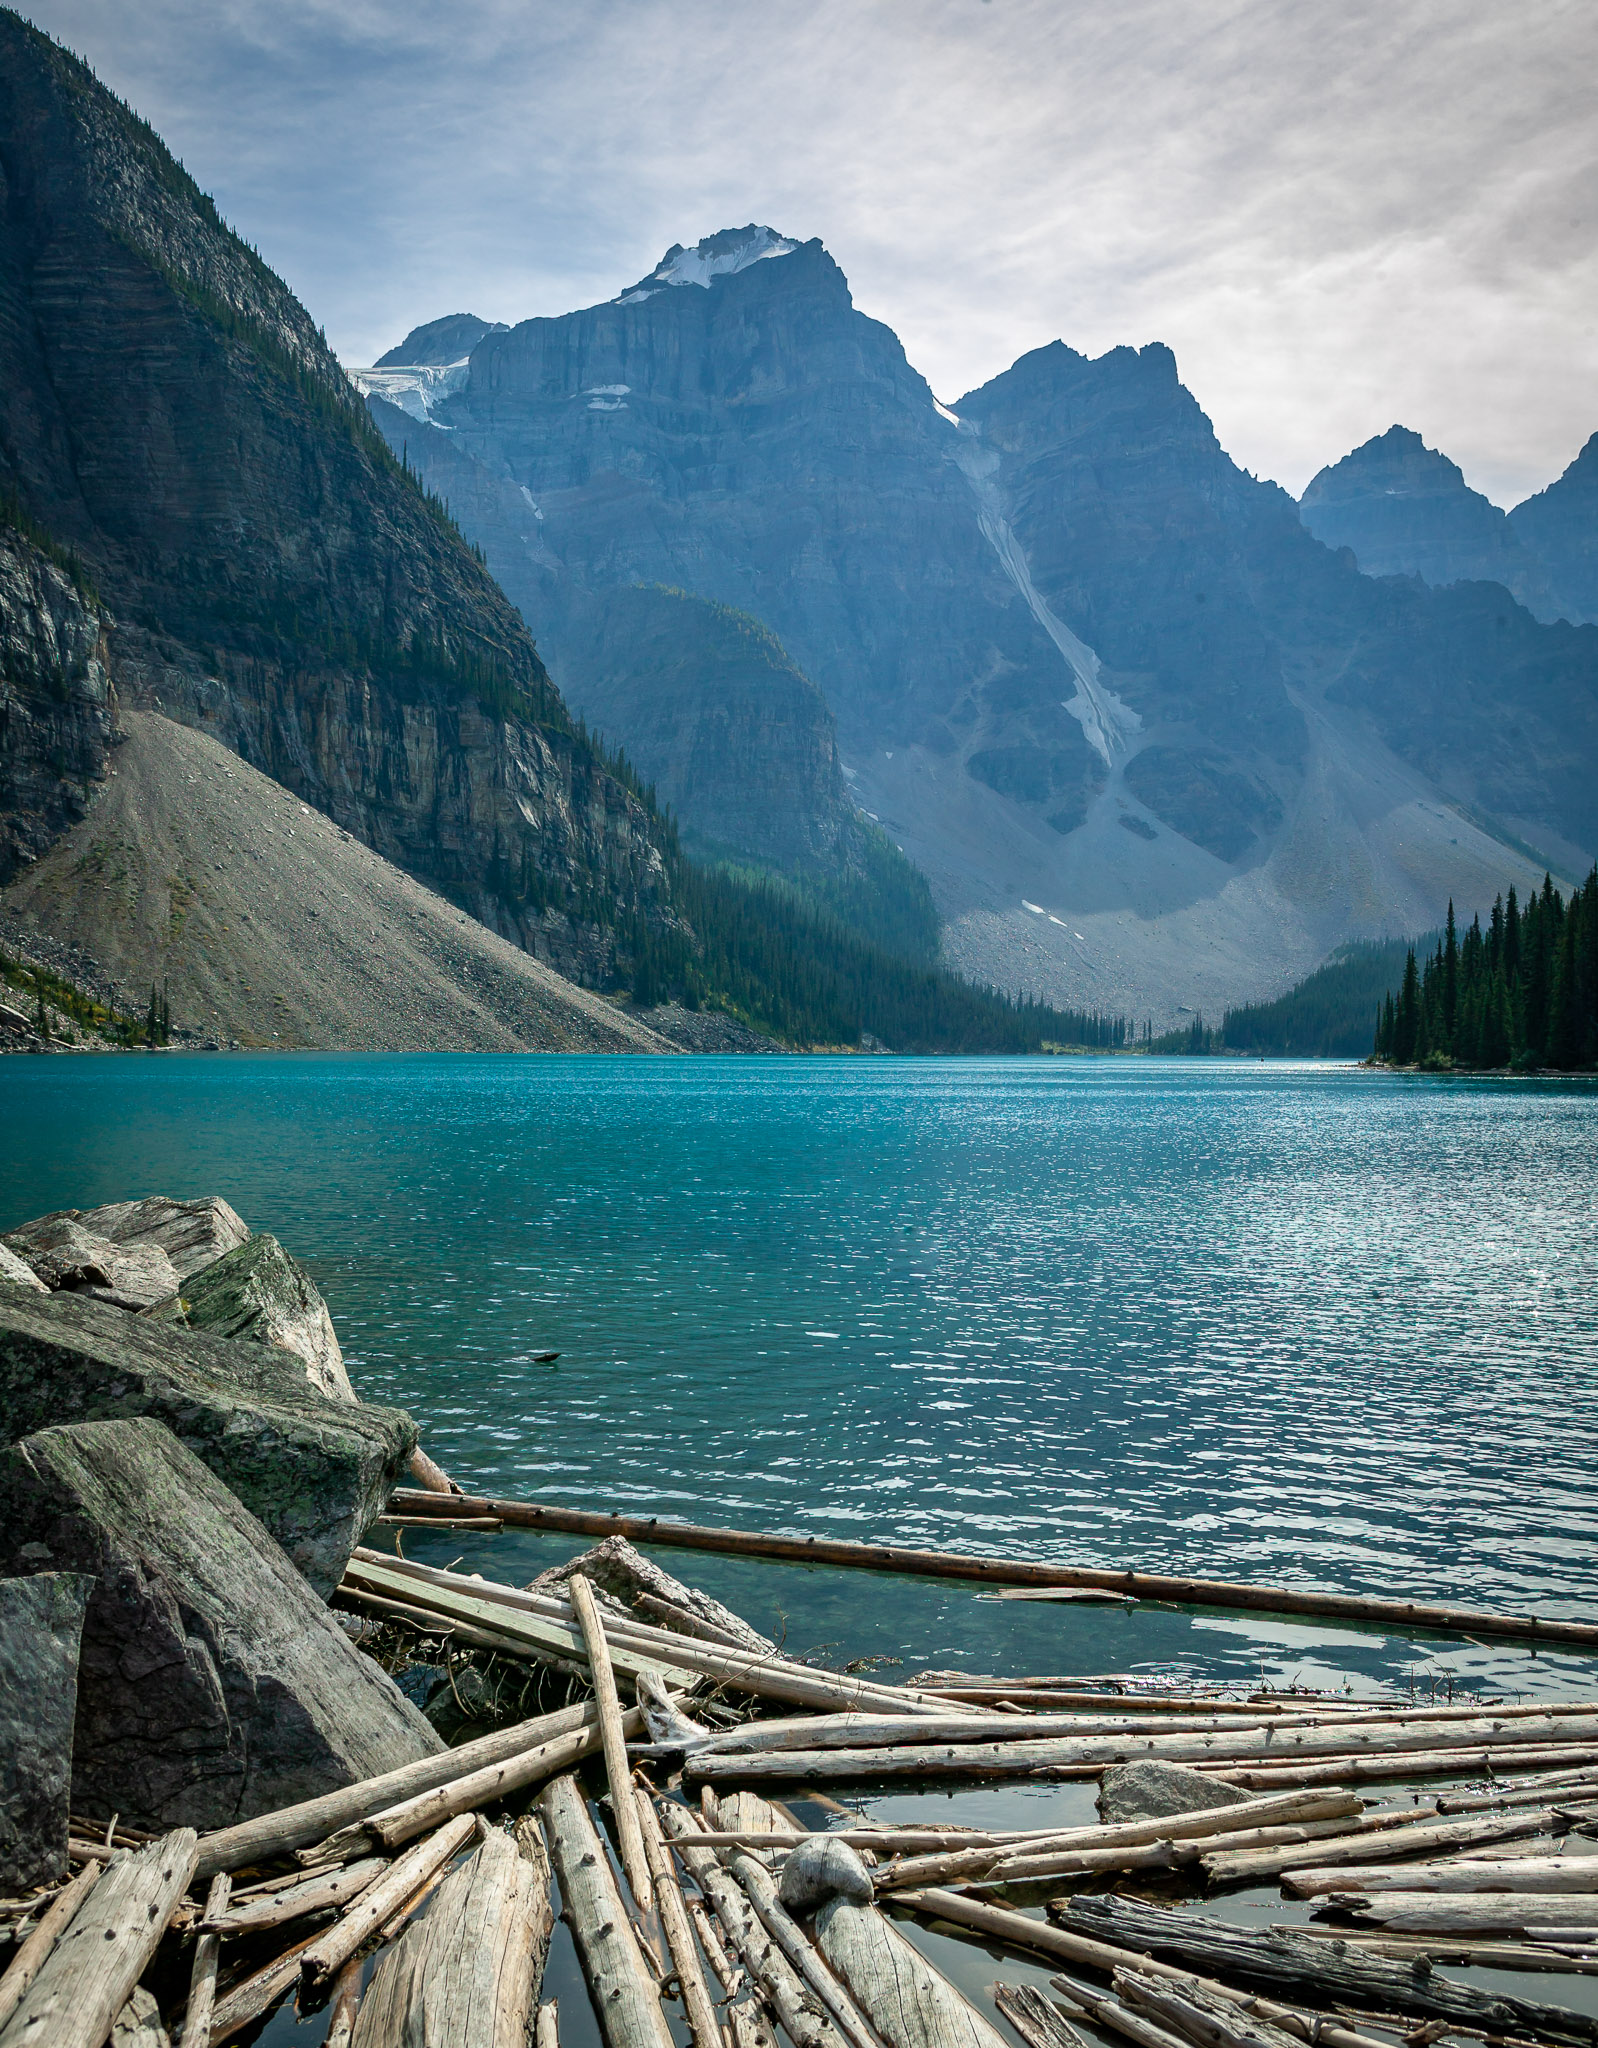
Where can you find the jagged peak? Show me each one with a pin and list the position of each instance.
(719, 255)
(1398, 463)
(439, 342)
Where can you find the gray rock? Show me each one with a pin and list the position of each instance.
(822, 1869)
(41, 1621)
(66, 1256)
(18, 1273)
(138, 2024)
(259, 1293)
(192, 1234)
(1150, 1789)
(212, 1684)
(638, 1585)
(315, 1471)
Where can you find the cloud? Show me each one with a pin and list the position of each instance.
(1338, 217)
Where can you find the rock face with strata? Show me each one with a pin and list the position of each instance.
(213, 1685)
(314, 1471)
(193, 1235)
(16, 1272)
(41, 1622)
(1560, 526)
(70, 1259)
(257, 1293)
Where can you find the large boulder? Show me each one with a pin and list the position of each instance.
(212, 1684)
(1151, 1789)
(41, 1621)
(66, 1256)
(258, 1293)
(16, 1273)
(192, 1234)
(316, 1472)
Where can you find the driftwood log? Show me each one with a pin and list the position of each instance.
(1040, 2024)
(1469, 1912)
(759, 1888)
(343, 2004)
(1378, 1845)
(202, 1977)
(89, 1974)
(1480, 1761)
(623, 1989)
(292, 1901)
(29, 1959)
(468, 1974)
(613, 1741)
(1195, 2013)
(675, 1925)
(1466, 1874)
(908, 2002)
(332, 1948)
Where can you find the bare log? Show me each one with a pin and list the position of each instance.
(1398, 1614)
(612, 1740)
(1380, 1845)
(1039, 2023)
(625, 1995)
(87, 1977)
(310, 1895)
(1118, 2018)
(468, 1975)
(546, 2028)
(756, 1882)
(1378, 1769)
(292, 1827)
(1469, 1912)
(344, 2004)
(29, 1959)
(1466, 1874)
(202, 1977)
(332, 1948)
(675, 1925)
(908, 2002)
(1198, 2015)
(746, 2018)
(258, 1993)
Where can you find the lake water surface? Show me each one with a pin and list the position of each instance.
(1292, 1323)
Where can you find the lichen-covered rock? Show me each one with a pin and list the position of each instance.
(1150, 1789)
(635, 1583)
(212, 1684)
(259, 1293)
(16, 1273)
(193, 1235)
(315, 1471)
(68, 1257)
(41, 1620)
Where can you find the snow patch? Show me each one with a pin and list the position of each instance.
(720, 255)
(606, 390)
(527, 494)
(944, 413)
(1036, 909)
(417, 390)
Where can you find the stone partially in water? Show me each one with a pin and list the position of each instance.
(315, 1471)
(193, 1235)
(68, 1257)
(258, 1293)
(41, 1621)
(1150, 1789)
(823, 1869)
(213, 1685)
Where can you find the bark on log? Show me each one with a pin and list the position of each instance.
(1472, 1874)
(800, 2015)
(1198, 2015)
(695, 1993)
(625, 1996)
(1281, 1957)
(468, 1975)
(292, 1827)
(380, 1901)
(1246, 1864)
(613, 1742)
(908, 2002)
(29, 1959)
(86, 1979)
(202, 1978)
(1401, 1614)
(311, 1895)
(1039, 2023)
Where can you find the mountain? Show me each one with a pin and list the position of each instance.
(1150, 741)
(1560, 526)
(450, 340)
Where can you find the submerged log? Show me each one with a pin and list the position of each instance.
(90, 1973)
(908, 2002)
(1467, 1874)
(613, 1741)
(344, 2004)
(624, 1993)
(468, 1974)
(29, 1959)
(332, 1948)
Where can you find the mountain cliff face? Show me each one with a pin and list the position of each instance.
(1150, 740)
(1560, 526)
(1406, 510)
(169, 413)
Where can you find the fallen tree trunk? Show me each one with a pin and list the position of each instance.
(1247, 1864)
(310, 1895)
(292, 1827)
(89, 1974)
(755, 1880)
(30, 1958)
(1165, 1854)
(669, 1903)
(908, 2002)
(1198, 2015)
(613, 1741)
(468, 1974)
(332, 1948)
(202, 1977)
(1398, 1614)
(1468, 1874)
(625, 1996)
(1478, 1762)
(344, 2004)
(1469, 1912)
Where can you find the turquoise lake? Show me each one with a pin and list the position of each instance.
(1291, 1323)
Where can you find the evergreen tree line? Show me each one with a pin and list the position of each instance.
(1523, 993)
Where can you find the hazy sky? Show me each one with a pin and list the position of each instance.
(1339, 213)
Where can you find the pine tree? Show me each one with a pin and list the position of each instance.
(1450, 1004)
(1406, 1026)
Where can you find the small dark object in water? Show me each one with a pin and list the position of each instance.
(545, 1357)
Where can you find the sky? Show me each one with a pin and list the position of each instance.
(1340, 214)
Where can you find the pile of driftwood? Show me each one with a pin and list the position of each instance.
(418, 1907)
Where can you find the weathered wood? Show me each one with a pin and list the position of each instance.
(311, 1895)
(1115, 2017)
(1198, 2015)
(1467, 1912)
(1466, 1952)
(908, 2002)
(88, 1975)
(1398, 1614)
(756, 1882)
(680, 1945)
(483, 1787)
(1477, 1762)
(885, 1731)
(1545, 1788)
(624, 1994)
(202, 1977)
(1379, 1845)
(334, 1946)
(1466, 1874)
(1283, 1958)
(1215, 1820)
(800, 2016)
(629, 1842)
(258, 1993)
(468, 1974)
(746, 2018)
(546, 2028)
(29, 1959)
(1161, 1855)
(292, 1827)
(1039, 2023)
(343, 2004)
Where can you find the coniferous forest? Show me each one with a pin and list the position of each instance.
(1523, 993)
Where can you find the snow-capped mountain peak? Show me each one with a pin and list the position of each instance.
(717, 255)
